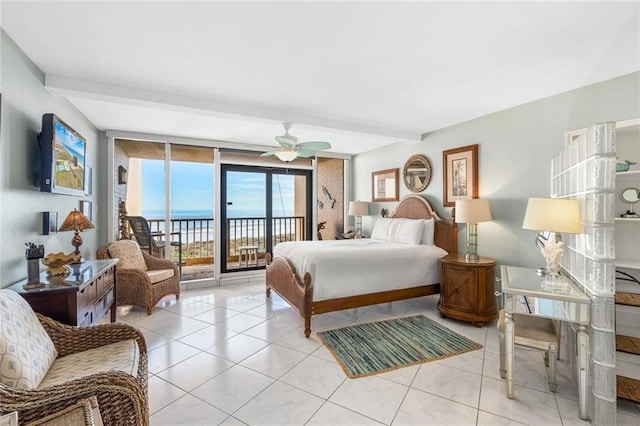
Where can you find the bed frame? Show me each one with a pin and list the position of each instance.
(282, 276)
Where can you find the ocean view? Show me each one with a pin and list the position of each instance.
(204, 214)
(199, 225)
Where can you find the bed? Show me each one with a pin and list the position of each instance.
(344, 290)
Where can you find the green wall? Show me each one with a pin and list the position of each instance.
(515, 151)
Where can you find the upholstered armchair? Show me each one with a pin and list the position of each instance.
(533, 332)
(142, 279)
(46, 366)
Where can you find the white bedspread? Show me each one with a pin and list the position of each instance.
(341, 268)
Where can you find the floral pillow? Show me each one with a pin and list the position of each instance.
(26, 350)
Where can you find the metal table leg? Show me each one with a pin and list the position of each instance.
(509, 337)
(583, 372)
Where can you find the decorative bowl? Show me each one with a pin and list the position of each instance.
(623, 166)
(57, 263)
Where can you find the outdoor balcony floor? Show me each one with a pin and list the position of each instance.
(203, 271)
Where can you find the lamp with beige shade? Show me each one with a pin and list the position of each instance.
(358, 209)
(550, 217)
(472, 211)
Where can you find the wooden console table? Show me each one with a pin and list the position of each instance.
(81, 298)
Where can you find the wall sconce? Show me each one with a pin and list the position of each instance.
(122, 175)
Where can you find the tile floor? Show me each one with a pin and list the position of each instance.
(227, 355)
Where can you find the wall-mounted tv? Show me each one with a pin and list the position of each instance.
(62, 152)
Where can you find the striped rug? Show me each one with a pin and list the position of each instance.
(366, 349)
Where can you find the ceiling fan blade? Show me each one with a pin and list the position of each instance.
(314, 145)
(286, 140)
(268, 153)
(306, 153)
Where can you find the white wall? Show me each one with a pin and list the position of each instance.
(24, 101)
(515, 151)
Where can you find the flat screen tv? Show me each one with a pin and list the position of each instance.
(62, 152)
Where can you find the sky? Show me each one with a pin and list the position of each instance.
(192, 190)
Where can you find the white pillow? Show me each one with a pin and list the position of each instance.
(26, 350)
(406, 231)
(381, 229)
(428, 231)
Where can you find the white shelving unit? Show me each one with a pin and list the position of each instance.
(628, 263)
(627, 229)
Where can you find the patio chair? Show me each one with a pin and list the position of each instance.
(142, 280)
(141, 232)
(146, 239)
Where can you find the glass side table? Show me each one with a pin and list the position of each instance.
(528, 293)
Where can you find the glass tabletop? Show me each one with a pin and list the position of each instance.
(526, 282)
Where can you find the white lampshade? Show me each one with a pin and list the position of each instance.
(473, 210)
(288, 155)
(553, 215)
(358, 208)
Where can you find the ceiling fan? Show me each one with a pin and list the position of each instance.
(289, 147)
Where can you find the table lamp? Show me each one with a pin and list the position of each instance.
(471, 211)
(358, 209)
(552, 216)
(76, 221)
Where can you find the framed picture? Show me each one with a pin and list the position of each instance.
(85, 208)
(460, 174)
(384, 185)
(49, 223)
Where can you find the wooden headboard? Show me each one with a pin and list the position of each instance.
(414, 206)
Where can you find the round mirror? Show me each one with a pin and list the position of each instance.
(630, 195)
(417, 173)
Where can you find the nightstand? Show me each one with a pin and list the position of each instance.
(467, 290)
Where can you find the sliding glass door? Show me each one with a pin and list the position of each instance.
(260, 208)
(184, 230)
(192, 210)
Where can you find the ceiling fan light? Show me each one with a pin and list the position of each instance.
(288, 155)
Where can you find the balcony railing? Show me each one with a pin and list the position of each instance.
(251, 231)
(198, 235)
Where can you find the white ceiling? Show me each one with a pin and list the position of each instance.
(357, 74)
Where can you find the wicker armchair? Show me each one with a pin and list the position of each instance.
(135, 287)
(122, 398)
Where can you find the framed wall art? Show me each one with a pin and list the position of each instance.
(385, 185)
(460, 178)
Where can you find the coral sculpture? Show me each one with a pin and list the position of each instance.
(552, 252)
